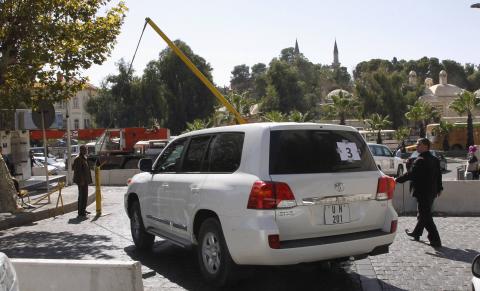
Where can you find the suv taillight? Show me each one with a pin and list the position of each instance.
(271, 195)
(385, 188)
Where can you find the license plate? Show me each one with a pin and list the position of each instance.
(337, 214)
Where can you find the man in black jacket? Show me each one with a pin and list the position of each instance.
(426, 179)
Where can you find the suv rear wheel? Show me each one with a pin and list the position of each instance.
(214, 258)
(142, 239)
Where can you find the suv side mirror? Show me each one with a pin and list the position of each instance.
(476, 266)
(145, 165)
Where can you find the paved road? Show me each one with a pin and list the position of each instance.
(408, 266)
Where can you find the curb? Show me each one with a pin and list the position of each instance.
(23, 218)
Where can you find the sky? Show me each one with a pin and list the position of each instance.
(229, 33)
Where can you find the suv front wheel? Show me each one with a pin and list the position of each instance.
(142, 239)
(214, 258)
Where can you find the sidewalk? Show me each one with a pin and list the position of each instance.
(44, 209)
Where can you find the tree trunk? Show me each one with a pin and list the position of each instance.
(8, 201)
(342, 119)
(422, 129)
(470, 140)
(446, 144)
(379, 137)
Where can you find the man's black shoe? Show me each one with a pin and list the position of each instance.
(411, 234)
(436, 244)
(87, 212)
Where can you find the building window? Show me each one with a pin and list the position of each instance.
(86, 123)
(76, 124)
(75, 103)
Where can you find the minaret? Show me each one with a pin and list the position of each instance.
(297, 50)
(335, 63)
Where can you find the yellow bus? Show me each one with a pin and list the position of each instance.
(457, 138)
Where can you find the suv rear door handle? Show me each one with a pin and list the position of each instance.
(165, 185)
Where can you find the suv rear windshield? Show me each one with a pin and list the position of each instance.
(318, 151)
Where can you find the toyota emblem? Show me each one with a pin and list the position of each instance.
(339, 187)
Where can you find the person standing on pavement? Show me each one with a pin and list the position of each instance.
(426, 179)
(82, 177)
(472, 164)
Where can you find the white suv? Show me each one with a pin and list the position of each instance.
(264, 194)
(386, 161)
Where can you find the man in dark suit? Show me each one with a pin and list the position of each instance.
(426, 179)
(82, 177)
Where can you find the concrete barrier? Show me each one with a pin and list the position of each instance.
(117, 177)
(459, 198)
(81, 275)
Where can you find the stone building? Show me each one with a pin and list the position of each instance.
(79, 118)
(442, 95)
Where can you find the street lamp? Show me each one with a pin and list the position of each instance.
(476, 5)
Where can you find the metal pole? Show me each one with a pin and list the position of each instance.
(197, 72)
(45, 164)
(98, 193)
(69, 145)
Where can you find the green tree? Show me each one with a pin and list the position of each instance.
(297, 116)
(50, 43)
(444, 129)
(197, 124)
(342, 107)
(401, 134)
(418, 113)
(381, 92)
(378, 122)
(45, 46)
(241, 79)
(466, 102)
(274, 116)
(186, 96)
(241, 102)
(284, 92)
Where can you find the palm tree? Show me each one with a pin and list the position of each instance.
(444, 129)
(342, 107)
(297, 116)
(274, 116)
(241, 102)
(401, 134)
(197, 124)
(466, 102)
(418, 114)
(377, 122)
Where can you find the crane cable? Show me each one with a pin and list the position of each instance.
(138, 44)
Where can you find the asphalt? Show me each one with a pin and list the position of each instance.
(38, 209)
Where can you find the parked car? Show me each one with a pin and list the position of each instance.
(60, 165)
(439, 155)
(38, 168)
(264, 194)
(386, 161)
(8, 277)
(476, 273)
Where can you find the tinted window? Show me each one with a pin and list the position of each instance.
(226, 152)
(386, 152)
(318, 151)
(170, 158)
(194, 155)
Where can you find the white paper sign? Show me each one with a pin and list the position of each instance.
(348, 151)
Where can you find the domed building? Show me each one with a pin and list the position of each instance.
(442, 95)
(337, 92)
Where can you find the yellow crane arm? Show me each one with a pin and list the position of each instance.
(197, 72)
